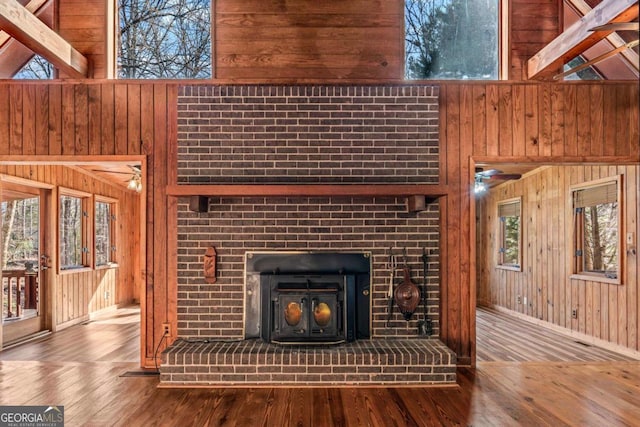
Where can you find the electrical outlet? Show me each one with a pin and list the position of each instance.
(106, 294)
(166, 328)
(525, 300)
(574, 313)
(519, 299)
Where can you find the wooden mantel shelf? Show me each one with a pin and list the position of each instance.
(291, 190)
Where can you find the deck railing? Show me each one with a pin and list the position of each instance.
(20, 292)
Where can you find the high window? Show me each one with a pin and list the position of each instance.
(597, 228)
(509, 227)
(104, 236)
(74, 229)
(451, 39)
(164, 39)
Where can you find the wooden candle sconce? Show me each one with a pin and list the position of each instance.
(210, 257)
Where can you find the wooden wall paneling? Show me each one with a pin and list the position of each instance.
(54, 142)
(467, 214)
(622, 120)
(146, 118)
(479, 112)
(94, 125)
(28, 119)
(532, 138)
(624, 289)
(570, 123)
(172, 210)
(596, 94)
(68, 120)
(583, 119)
(81, 120)
(42, 120)
(632, 225)
(609, 123)
(633, 111)
(505, 124)
(5, 122)
(160, 291)
(133, 118)
(557, 121)
(518, 120)
(15, 119)
(493, 120)
(121, 118)
(294, 40)
(545, 114)
(108, 117)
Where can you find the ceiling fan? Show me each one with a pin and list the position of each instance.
(495, 174)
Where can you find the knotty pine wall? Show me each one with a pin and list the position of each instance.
(497, 121)
(77, 294)
(607, 312)
(119, 120)
(524, 122)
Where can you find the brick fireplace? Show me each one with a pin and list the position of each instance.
(300, 135)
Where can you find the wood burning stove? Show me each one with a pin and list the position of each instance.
(308, 308)
(309, 298)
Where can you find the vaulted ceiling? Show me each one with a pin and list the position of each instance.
(27, 27)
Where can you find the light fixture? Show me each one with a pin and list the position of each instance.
(479, 185)
(135, 183)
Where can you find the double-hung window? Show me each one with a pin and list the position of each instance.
(74, 229)
(509, 233)
(596, 208)
(105, 236)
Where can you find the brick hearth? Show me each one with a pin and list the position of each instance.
(414, 362)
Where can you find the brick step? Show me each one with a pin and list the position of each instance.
(397, 362)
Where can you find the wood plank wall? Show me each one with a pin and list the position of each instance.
(307, 40)
(292, 39)
(84, 24)
(80, 293)
(532, 25)
(607, 312)
(96, 119)
(525, 122)
(539, 123)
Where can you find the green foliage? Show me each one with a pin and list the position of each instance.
(20, 232)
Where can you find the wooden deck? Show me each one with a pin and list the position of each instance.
(81, 369)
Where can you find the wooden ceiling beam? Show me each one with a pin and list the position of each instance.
(578, 38)
(33, 6)
(582, 8)
(25, 27)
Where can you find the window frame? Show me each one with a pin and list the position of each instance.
(577, 232)
(85, 230)
(503, 43)
(113, 241)
(501, 235)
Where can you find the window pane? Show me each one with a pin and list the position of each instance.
(600, 246)
(70, 232)
(164, 39)
(103, 233)
(451, 39)
(511, 245)
(37, 68)
(20, 233)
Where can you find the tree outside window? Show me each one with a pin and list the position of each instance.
(104, 233)
(73, 232)
(597, 229)
(164, 39)
(451, 39)
(509, 215)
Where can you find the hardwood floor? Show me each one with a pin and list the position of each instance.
(64, 370)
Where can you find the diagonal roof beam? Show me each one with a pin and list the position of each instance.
(616, 41)
(25, 27)
(33, 6)
(577, 38)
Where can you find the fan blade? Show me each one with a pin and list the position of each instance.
(505, 176)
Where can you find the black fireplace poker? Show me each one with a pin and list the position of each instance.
(425, 326)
